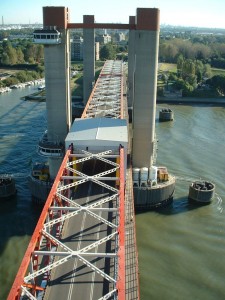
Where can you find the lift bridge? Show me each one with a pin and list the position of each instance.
(84, 244)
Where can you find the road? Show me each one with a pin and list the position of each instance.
(74, 279)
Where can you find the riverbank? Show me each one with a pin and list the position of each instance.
(192, 100)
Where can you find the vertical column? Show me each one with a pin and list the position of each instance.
(145, 87)
(89, 57)
(131, 62)
(57, 81)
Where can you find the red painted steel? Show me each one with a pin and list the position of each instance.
(34, 244)
(101, 26)
(89, 100)
(35, 239)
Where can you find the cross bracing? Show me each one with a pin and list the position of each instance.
(106, 97)
(51, 252)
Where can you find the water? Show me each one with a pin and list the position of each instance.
(21, 125)
(182, 247)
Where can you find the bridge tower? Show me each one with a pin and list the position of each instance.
(55, 38)
(89, 57)
(131, 62)
(153, 186)
(145, 84)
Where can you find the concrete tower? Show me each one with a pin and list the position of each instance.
(145, 85)
(55, 38)
(89, 57)
(131, 62)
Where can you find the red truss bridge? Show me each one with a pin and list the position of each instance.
(84, 244)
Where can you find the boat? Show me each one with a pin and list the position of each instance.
(7, 187)
(41, 87)
(201, 191)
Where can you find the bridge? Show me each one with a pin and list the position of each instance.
(84, 244)
(79, 248)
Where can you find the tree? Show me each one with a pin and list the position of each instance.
(108, 51)
(199, 70)
(20, 56)
(180, 62)
(39, 53)
(207, 71)
(218, 82)
(5, 59)
(188, 68)
(9, 55)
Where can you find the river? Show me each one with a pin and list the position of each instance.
(181, 247)
(21, 125)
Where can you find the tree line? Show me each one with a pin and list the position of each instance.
(208, 49)
(20, 52)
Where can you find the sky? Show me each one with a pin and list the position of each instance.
(197, 13)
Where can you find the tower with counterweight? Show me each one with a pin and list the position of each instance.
(153, 186)
(55, 38)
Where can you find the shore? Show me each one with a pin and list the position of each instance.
(192, 100)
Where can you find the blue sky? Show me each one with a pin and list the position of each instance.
(201, 13)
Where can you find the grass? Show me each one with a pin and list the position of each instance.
(77, 81)
(163, 67)
(216, 71)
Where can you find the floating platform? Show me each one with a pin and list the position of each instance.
(166, 114)
(201, 191)
(7, 187)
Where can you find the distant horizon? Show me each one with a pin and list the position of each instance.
(161, 25)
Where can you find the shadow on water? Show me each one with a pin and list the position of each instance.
(14, 223)
(178, 206)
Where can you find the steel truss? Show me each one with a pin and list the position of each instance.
(46, 251)
(107, 93)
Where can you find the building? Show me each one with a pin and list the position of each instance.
(104, 39)
(120, 36)
(77, 48)
(97, 50)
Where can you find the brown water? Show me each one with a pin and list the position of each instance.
(182, 247)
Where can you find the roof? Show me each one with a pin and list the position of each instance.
(97, 131)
